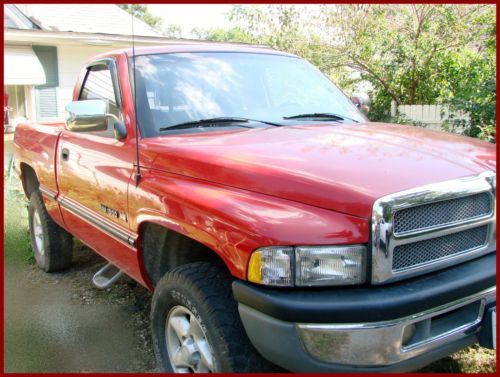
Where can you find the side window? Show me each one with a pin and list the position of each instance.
(98, 84)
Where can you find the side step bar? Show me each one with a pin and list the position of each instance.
(101, 279)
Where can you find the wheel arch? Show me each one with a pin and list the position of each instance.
(162, 248)
(29, 179)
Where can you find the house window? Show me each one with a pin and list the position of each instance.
(46, 95)
(14, 99)
(46, 100)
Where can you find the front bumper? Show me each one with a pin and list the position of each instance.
(397, 327)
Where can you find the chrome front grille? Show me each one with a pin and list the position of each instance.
(413, 254)
(431, 227)
(442, 213)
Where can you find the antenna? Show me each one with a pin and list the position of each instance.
(138, 165)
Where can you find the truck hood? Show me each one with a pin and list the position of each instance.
(341, 167)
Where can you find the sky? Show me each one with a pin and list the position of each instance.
(189, 16)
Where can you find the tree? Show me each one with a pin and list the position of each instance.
(173, 31)
(291, 28)
(398, 47)
(141, 12)
(222, 35)
(474, 94)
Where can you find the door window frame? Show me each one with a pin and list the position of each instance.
(110, 64)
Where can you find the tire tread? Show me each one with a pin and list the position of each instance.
(212, 285)
(59, 243)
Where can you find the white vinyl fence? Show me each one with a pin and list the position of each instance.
(432, 116)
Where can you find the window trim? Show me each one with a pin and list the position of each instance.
(109, 63)
(132, 82)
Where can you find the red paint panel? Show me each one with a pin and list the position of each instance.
(35, 146)
(234, 222)
(342, 167)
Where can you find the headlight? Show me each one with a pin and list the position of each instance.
(271, 266)
(308, 265)
(330, 265)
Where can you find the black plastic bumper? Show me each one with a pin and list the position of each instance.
(270, 315)
(373, 303)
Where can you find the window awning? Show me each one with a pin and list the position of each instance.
(22, 67)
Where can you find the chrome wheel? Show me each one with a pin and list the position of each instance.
(187, 345)
(38, 233)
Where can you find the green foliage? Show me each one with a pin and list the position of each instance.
(173, 31)
(16, 242)
(423, 54)
(222, 35)
(471, 88)
(402, 48)
(141, 12)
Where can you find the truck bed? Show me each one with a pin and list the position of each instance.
(36, 144)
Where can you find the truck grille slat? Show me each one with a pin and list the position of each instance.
(441, 213)
(414, 254)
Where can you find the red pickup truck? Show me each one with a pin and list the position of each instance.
(274, 223)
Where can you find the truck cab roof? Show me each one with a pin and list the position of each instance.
(197, 47)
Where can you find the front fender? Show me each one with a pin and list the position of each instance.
(234, 222)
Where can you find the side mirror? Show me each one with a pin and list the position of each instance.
(89, 115)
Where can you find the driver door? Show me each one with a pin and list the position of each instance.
(94, 170)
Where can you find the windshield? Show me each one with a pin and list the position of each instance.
(177, 88)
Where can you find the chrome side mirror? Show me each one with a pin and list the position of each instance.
(85, 116)
(91, 115)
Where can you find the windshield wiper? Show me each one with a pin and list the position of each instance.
(216, 122)
(321, 115)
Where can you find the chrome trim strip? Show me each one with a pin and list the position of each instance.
(113, 231)
(384, 240)
(385, 338)
(48, 193)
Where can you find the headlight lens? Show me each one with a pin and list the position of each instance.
(308, 265)
(330, 265)
(271, 266)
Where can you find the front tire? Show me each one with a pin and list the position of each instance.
(196, 326)
(52, 245)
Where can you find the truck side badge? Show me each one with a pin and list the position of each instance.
(113, 212)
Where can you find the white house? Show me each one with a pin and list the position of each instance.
(46, 45)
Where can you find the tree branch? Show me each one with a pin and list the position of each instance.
(369, 70)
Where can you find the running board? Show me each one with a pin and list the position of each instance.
(102, 281)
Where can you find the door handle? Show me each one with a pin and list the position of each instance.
(65, 154)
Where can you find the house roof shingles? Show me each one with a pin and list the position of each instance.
(86, 18)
